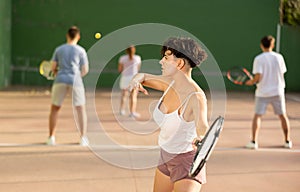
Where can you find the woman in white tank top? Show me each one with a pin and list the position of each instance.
(129, 65)
(181, 113)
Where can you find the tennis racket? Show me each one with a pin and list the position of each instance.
(239, 75)
(46, 70)
(206, 146)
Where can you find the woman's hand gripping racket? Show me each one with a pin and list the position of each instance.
(206, 146)
(46, 70)
(239, 75)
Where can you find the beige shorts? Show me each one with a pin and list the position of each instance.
(60, 90)
(177, 166)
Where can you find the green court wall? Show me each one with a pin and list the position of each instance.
(230, 29)
(5, 42)
(290, 48)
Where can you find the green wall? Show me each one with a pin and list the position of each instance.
(5, 42)
(290, 48)
(230, 29)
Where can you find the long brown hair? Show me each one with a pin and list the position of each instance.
(130, 51)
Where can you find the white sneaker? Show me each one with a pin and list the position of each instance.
(84, 141)
(135, 115)
(252, 145)
(288, 144)
(51, 141)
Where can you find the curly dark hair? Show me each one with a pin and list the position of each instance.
(186, 48)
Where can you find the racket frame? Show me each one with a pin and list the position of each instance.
(243, 71)
(49, 75)
(199, 145)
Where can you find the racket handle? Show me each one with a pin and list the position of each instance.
(197, 143)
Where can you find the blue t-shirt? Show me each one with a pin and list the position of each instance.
(70, 59)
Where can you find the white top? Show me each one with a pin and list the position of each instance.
(272, 67)
(130, 67)
(176, 135)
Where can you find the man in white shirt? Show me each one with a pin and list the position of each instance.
(268, 69)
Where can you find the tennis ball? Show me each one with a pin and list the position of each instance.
(97, 35)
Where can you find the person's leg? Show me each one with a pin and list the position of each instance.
(53, 119)
(255, 127)
(81, 118)
(261, 104)
(124, 83)
(162, 182)
(78, 96)
(187, 185)
(133, 100)
(279, 107)
(58, 94)
(253, 144)
(124, 97)
(285, 125)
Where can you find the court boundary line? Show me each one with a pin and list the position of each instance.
(142, 147)
(292, 97)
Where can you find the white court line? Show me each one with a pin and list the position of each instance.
(33, 144)
(292, 97)
(141, 147)
(279, 150)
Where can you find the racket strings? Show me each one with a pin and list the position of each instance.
(205, 147)
(242, 78)
(238, 76)
(46, 70)
(207, 144)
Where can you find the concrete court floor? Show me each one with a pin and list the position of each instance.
(27, 164)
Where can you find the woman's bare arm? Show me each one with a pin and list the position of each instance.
(200, 114)
(157, 82)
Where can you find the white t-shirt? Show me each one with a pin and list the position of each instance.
(130, 67)
(272, 67)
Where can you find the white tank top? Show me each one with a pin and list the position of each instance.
(176, 135)
(130, 66)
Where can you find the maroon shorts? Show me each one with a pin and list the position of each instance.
(177, 166)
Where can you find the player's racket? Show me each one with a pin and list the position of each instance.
(46, 70)
(239, 75)
(206, 146)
